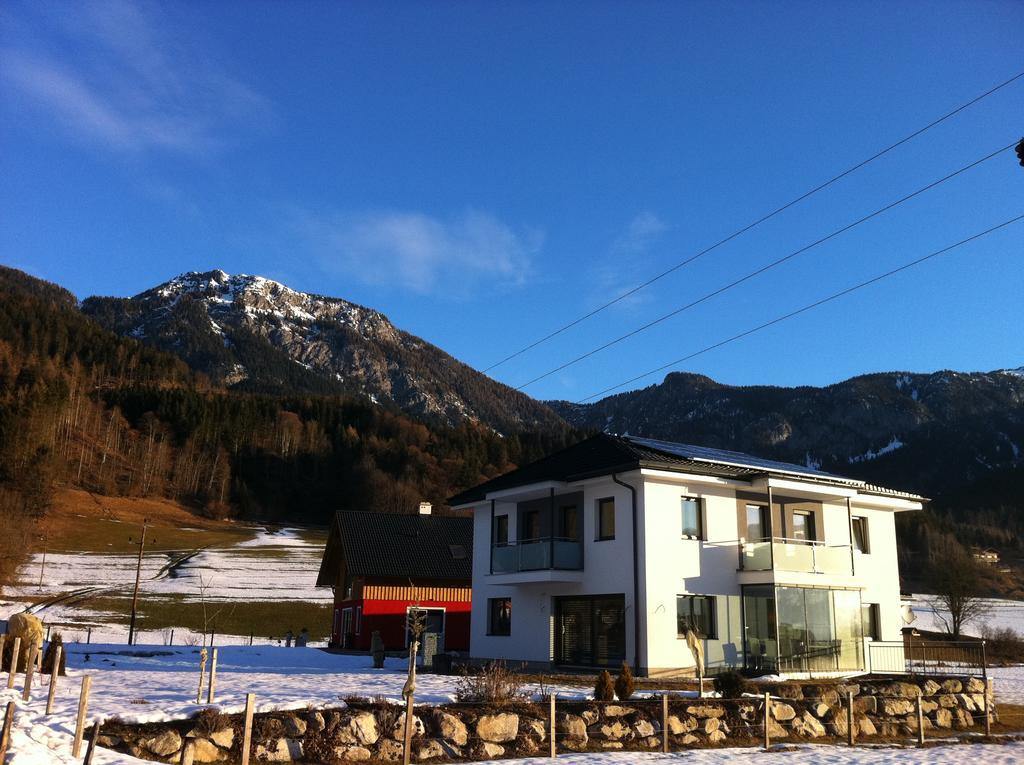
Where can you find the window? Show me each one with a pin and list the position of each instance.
(696, 612)
(530, 529)
(870, 621)
(803, 525)
(757, 523)
(359, 619)
(568, 522)
(693, 526)
(499, 616)
(860, 534)
(501, 530)
(606, 518)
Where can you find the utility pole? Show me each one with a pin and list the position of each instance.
(138, 573)
(42, 568)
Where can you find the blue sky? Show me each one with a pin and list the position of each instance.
(485, 172)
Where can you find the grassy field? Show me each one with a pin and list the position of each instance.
(263, 619)
(257, 581)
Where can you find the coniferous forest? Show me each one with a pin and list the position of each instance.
(83, 407)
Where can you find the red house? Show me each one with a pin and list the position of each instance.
(380, 565)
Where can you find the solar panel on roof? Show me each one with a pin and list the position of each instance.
(723, 456)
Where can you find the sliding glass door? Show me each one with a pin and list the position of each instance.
(590, 631)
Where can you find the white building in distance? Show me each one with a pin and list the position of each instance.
(610, 549)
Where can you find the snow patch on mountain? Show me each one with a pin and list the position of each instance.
(872, 454)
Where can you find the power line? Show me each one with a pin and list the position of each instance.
(806, 308)
(762, 269)
(756, 223)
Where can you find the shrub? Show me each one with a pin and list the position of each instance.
(624, 683)
(494, 683)
(604, 689)
(210, 720)
(730, 684)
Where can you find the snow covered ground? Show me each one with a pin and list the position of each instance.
(269, 566)
(152, 683)
(999, 614)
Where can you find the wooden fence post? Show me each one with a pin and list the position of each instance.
(30, 671)
(83, 707)
(188, 752)
(850, 733)
(3, 639)
(552, 727)
(5, 734)
(93, 738)
(767, 718)
(987, 709)
(664, 722)
(213, 678)
(407, 746)
(54, 674)
(202, 675)
(920, 720)
(15, 656)
(250, 703)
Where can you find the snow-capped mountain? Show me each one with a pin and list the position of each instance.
(256, 334)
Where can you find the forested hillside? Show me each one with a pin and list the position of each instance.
(82, 406)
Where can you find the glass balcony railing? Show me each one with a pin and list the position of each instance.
(537, 555)
(795, 555)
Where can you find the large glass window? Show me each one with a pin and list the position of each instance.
(757, 523)
(693, 526)
(696, 612)
(860, 534)
(606, 518)
(759, 632)
(590, 631)
(499, 616)
(819, 629)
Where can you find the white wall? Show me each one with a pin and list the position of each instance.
(669, 566)
(607, 570)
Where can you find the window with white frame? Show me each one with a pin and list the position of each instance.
(861, 543)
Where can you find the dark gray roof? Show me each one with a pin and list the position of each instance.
(393, 546)
(605, 453)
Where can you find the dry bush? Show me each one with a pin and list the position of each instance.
(493, 684)
(50, 653)
(388, 714)
(730, 684)
(210, 720)
(604, 688)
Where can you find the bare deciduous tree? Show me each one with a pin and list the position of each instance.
(957, 601)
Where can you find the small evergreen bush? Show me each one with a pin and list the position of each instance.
(604, 689)
(624, 683)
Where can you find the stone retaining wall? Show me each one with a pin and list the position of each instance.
(362, 732)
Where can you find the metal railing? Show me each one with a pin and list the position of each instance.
(800, 555)
(542, 553)
(926, 657)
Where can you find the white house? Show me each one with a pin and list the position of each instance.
(607, 550)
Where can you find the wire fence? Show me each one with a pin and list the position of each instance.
(905, 710)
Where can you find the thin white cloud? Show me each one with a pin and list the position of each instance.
(627, 262)
(641, 232)
(423, 254)
(127, 75)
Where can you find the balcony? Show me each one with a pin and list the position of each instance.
(796, 555)
(549, 559)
